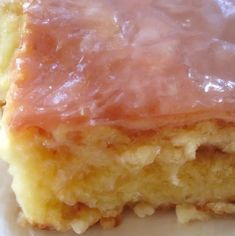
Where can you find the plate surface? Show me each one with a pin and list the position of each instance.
(160, 224)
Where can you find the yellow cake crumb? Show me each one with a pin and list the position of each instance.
(143, 209)
(187, 213)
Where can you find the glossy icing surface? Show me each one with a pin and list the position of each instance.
(119, 62)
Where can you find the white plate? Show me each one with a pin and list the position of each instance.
(161, 224)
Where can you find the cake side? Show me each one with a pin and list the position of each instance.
(73, 179)
(11, 28)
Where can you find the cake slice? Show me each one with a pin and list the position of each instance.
(115, 104)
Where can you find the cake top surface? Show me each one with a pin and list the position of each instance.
(124, 62)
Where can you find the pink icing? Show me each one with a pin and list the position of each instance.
(119, 62)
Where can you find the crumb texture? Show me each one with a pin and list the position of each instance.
(74, 179)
